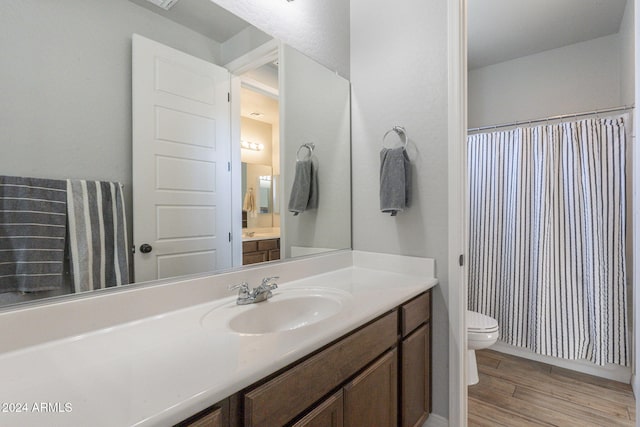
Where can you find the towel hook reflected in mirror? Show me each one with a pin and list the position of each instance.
(401, 132)
(309, 146)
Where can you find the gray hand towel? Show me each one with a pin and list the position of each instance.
(33, 226)
(395, 180)
(313, 192)
(304, 192)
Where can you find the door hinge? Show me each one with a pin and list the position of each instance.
(229, 236)
(228, 96)
(461, 260)
(228, 166)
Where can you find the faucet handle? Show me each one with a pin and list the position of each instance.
(266, 280)
(244, 287)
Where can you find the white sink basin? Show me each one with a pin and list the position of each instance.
(286, 311)
(284, 315)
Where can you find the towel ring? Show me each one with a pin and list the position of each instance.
(401, 132)
(309, 146)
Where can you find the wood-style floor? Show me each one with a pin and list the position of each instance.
(517, 392)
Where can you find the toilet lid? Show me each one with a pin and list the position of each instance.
(478, 322)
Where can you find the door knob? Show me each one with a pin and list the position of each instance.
(145, 248)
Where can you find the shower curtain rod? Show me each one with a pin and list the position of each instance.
(546, 119)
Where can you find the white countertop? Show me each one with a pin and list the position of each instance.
(260, 236)
(160, 370)
(252, 234)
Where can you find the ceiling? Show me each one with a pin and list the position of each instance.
(501, 30)
(202, 16)
(254, 102)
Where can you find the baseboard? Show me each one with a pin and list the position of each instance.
(612, 372)
(436, 421)
(635, 385)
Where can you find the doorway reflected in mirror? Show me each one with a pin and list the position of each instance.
(260, 153)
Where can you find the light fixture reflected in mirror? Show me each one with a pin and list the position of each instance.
(252, 145)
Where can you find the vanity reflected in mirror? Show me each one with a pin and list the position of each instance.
(67, 113)
(260, 221)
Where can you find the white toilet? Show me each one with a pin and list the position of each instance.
(482, 332)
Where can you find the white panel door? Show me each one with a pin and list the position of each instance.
(181, 153)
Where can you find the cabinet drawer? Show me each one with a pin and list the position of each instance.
(250, 246)
(415, 313)
(254, 257)
(287, 395)
(265, 245)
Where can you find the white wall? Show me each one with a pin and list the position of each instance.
(580, 77)
(627, 97)
(319, 29)
(636, 215)
(310, 90)
(399, 77)
(627, 56)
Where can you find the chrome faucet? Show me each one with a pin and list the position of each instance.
(260, 293)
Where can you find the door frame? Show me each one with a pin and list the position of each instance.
(634, 340)
(251, 60)
(457, 229)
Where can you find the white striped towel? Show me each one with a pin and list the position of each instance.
(97, 235)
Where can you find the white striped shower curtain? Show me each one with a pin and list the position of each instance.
(547, 237)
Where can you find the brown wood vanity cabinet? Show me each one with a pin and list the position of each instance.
(254, 251)
(378, 375)
(283, 398)
(415, 366)
(214, 416)
(330, 413)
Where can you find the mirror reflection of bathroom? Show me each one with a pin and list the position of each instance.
(260, 156)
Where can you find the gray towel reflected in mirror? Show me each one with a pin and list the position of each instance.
(304, 192)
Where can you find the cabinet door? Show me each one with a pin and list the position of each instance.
(416, 382)
(328, 414)
(371, 399)
(274, 254)
(209, 418)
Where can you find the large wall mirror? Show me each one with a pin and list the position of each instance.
(70, 111)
